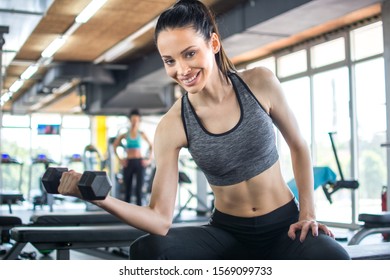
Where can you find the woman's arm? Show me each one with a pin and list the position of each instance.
(157, 217)
(115, 146)
(269, 92)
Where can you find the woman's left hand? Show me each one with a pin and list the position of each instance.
(304, 226)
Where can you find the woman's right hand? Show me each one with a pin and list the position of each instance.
(68, 184)
(123, 162)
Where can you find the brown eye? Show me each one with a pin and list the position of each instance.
(169, 61)
(190, 54)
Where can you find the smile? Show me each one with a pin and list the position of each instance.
(190, 80)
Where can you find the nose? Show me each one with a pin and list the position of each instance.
(183, 68)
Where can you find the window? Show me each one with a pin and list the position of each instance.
(297, 93)
(328, 53)
(15, 121)
(267, 62)
(371, 131)
(331, 114)
(367, 41)
(291, 64)
(76, 122)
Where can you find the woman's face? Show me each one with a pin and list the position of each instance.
(188, 58)
(135, 120)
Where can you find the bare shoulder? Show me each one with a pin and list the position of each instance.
(259, 78)
(171, 129)
(264, 85)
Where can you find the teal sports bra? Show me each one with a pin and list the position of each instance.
(133, 143)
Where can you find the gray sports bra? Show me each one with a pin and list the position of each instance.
(238, 154)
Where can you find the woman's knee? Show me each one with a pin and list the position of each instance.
(323, 247)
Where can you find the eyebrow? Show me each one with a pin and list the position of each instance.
(183, 51)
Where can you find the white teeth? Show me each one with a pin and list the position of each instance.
(189, 80)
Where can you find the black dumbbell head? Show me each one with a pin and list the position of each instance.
(94, 185)
(51, 179)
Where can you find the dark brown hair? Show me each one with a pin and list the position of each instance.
(134, 112)
(193, 13)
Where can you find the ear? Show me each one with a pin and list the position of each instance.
(215, 43)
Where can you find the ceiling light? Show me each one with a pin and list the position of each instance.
(89, 11)
(54, 47)
(72, 29)
(27, 74)
(5, 97)
(16, 86)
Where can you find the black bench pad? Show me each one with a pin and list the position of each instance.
(378, 218)
(74, 219)
(10, 221)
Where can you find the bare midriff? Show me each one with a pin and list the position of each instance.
(254, 197)
(133, 153)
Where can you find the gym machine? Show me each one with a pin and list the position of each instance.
(43, 198)
(15, 196)
(325, 178)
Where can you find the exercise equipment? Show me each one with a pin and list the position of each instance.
(325, 178)
(80, 238)
(374, 222)
(369, 251)
(43, 198)
(14, 196)
(88, 239)
(386, 236)
(183, 181)
(6, 223)
(48, 220)
(93, 185)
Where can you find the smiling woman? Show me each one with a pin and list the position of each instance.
(225, 119)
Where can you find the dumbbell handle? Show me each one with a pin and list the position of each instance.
(51, 179)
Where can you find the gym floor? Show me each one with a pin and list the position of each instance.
(25, 211)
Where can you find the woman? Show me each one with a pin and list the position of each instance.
(226, 121)
(134, 163)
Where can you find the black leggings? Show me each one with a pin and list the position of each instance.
(235, 238)
(134, 167)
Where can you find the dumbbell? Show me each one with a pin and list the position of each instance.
(93, 185)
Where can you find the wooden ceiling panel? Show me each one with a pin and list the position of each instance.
(68, 7)
(115, 21)
(15, 70)
(66, 104)
(54, 24)
(34, 46)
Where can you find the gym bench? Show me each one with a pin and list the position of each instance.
(373, 223)
(380, 251)
(6, 223)
(85, 238)
(10, 198)
(74, 219)
(79, 238)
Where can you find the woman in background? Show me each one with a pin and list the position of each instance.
(134, 164)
